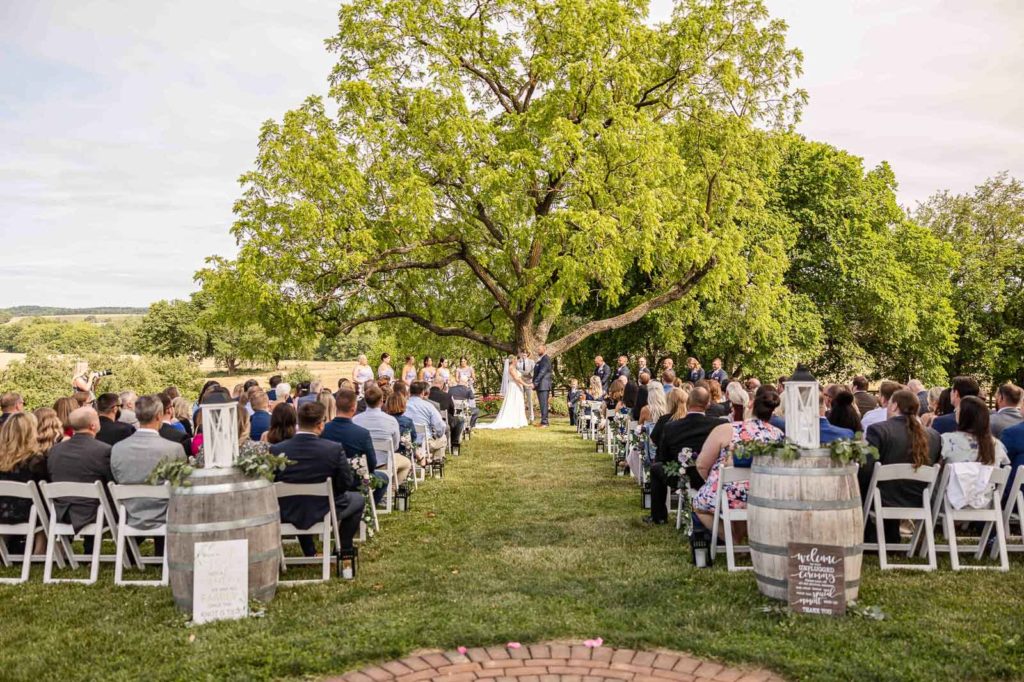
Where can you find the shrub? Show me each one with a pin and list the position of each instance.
(298, 374)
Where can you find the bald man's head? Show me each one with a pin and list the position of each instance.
(698, 400)
(84, 420)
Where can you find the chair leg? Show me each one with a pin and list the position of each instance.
(883, 557)
(165, 571)
(949, 529)
(97, 550)
(119, 560)
(986, 533)
(327, 552)
(929, 531)
(730, 552)
(1004, 561)
(51, 542)
(714, 526)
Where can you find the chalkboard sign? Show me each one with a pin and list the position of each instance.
(817, 583)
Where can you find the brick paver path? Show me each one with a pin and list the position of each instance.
(555, 662)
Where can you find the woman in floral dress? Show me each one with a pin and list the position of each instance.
(717, 452)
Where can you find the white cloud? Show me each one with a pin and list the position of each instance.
(125, 125)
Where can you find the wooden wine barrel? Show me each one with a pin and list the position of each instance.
(224, 504)
(811, 499)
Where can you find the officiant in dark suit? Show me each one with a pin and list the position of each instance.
(542, 382)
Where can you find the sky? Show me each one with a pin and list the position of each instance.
(124, 126)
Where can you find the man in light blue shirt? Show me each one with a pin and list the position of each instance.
(422, 411)
(382, 426)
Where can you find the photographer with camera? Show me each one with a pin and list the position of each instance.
(85, 380)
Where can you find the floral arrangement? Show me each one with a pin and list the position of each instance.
(843, 451)
(256, 462)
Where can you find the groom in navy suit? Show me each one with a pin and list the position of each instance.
(542, 379)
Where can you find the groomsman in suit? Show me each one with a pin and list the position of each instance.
(717, 373)
(542, 382)
(623, 369)
(642, 364)
(603, 371)
(526, 368)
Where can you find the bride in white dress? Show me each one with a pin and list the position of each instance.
(513, 408)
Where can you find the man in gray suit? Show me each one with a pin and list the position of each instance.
(134, 458)
(1007, 412)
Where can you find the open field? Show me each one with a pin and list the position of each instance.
(528, 538)
(6, 358)
(98, 318)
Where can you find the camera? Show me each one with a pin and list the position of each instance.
(104, 373)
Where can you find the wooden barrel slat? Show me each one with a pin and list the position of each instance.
(810, 499)
(224, 504)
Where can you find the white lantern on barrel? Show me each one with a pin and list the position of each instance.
(800, 400)
(220, 434)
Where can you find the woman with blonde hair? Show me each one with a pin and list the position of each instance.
(183, 413)
(20, 461)
(656, 406)
(326, 398)
(595, 391)
(64, 407)
(362, 372)
(49, 430)
(740, 399)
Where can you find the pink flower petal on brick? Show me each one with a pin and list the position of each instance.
(462, 650)
(513, 645)
(593, 643)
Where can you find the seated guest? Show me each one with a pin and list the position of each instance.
(48, 429)
(1007, 412)
(133, 459)
(183, 415)
(739, 401)
(111, 430)
(881, 413)
(973, 440)
(1012, 439)
(167, 429)
(64, 407)
(283, 423)
(689, 432)
(272, 393)
(717, 453)
(843, 413)
(314, 460)
(675, 408)
(128, 399)
(656, 407)
(283, 392)
(259, 420)
(463, 391)
(717, 407)
(80, 459)
(383, 427)
(668, 379)
(613, 399)
(422, 411)
(10, 403)
(917, 388)
(394, 406)
(21, 461)
(595, 390)
(901, 439)
(355, 439)
(962, 387)
(935, 395)
(456, 422)
(864, 401)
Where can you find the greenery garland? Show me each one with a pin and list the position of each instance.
(254, 464)
(843, 451)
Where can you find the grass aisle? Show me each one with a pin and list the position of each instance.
(529, 538)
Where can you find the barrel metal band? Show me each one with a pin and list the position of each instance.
(256, 558)
(803, 505)
(792, 471)
(218, 488)
(784, 583)
(218, 526)
(776, 550)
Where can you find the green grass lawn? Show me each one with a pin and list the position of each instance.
(528, 538)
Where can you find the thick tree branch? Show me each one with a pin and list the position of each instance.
(470, 334)
(674, 293)
(487, 279)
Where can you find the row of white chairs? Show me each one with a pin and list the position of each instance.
(59, 536)
(935, 507)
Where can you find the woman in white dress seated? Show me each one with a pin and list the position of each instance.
(513, 408)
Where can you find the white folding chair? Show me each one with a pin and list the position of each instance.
(991, 515)
(726, 515)
(423, 434)
(127, 534)
(37, 521)
(385, 446)
(922, 515)
(448, 448)
(463, 409)
(1014, 511)
(327, 528)
(61, 531)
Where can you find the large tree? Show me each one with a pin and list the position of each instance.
(492, 161)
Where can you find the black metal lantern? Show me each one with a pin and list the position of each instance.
(437, 468)
(700, 547)
(347, 563)
(645, 495)
(402, 498)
